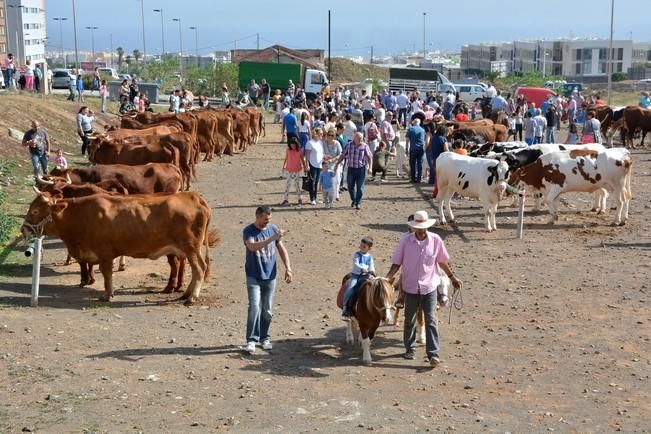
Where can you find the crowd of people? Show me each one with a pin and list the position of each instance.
(28, 78)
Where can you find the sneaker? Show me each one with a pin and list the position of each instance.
(372, 178)
(345, 316)
(313, 202)
(410, 355)
(284, 203)
(250, 347)
(383, 180)
(434, 361)
(352, 204)
(266, 345)
(358, 206)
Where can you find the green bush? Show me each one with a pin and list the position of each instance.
(8, 224)
(619, 76)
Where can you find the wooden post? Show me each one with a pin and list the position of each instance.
(520, 229)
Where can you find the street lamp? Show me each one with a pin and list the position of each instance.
(424, 15)
(196, 43)
(92, 38)
(74, 28)
(61, 20)
(144, 44)
(162, 30)
(180, 42)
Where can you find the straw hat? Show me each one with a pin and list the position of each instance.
(421, 220)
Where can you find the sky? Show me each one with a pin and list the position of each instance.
(356, 25)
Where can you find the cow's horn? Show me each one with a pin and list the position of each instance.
(44, 181)
(39, 192)
(68, 180)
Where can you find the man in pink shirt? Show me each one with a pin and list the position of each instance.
(419, 253)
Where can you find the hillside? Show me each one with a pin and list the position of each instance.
(345, 70)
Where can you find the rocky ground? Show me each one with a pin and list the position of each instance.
(554, 333)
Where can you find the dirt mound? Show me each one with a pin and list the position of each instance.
(345, 70)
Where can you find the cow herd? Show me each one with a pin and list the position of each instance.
(129, 201)
(545, 170)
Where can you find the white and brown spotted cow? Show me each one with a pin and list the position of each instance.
(482, 178)
(580, 171)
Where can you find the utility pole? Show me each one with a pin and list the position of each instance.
(180, 42)
(111, 39)
(371, 54)
(92, 39)
(257, 41)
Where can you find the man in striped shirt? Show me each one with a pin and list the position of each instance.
(359, 160)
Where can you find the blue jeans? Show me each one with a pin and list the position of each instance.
(431, 162)
(402, 116)
(356, 178)
(354, 283)
(39, 160)
(261, 298)
(315, 174)
(432, 340)
(416, 163)
(550, 135)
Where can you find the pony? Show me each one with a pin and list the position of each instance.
(373, 306)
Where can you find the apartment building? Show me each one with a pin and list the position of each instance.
(3, 32)
(25, 30)
(576, 59)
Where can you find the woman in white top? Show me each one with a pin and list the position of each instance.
(314, 154)
(304, 129)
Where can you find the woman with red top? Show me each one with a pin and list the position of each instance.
(294, 166)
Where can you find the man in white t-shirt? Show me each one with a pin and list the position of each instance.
(402, 102)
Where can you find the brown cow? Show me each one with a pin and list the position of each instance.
(146, 178)
(255, 124)
(492, 133)
(66, 189)
(150, 130)
(140, 226)
(637, 118)
(151, 149)
(241, 134)
(190, 126)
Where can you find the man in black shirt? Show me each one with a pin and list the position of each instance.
(38, 142)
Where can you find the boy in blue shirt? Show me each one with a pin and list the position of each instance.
(363, 267)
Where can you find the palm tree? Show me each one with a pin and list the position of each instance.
(128, 61)
(137, 55)
(120, 52)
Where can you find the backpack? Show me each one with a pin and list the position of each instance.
(372, 132)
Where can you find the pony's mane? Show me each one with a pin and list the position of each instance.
(377, 287)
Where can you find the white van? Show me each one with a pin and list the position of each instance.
(470, 92)
(109, 73)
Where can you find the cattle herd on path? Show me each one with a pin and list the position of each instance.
(132, 194)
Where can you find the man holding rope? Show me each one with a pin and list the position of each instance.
(419, 253)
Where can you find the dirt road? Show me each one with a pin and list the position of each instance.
(554, 334)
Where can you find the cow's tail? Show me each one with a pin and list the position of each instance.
(211, 240)
(628, 163)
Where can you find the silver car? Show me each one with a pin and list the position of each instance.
(61, 78)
